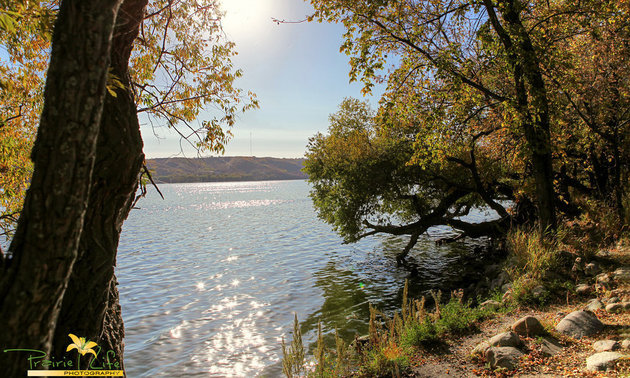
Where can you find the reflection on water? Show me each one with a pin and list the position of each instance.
(210, 277)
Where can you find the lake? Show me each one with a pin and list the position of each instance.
(211, 276)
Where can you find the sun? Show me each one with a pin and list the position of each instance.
(246, 19)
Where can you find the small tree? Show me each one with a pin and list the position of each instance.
(364, 184)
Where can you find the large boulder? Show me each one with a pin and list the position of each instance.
(506, 339)
(579, 324)
(528, 326)
(503, 357)
(481, 348)
(550, 346)
(603, 361)
(606, 345)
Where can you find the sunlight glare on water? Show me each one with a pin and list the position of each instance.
(211, 276)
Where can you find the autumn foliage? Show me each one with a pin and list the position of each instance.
(517, 106)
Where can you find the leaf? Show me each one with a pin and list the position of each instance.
(7, 23)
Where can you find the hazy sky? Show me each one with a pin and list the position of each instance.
(296, 71)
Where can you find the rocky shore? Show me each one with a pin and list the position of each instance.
(588, 334)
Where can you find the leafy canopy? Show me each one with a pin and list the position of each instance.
(182, 75)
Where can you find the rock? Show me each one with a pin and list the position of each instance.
(538, 291)
(606, 345)
(613, 300)
(361, 341)
(626, 305)
(503, 357)
(591, 269)
(528, 326)
(594, 304)
(614, 307)
(603, 279)
(603, 361)
(622, 274)
(506, 339)
(481, 348)
(579, 324)
(491, 305)
(495, 284)
(550, 346)
(625, 344)
(583, 289)
(501, 279)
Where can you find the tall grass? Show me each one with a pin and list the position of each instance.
(293, 362)
(392, 340)
(530, 253)
(532, 257)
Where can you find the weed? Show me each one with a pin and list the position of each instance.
(293, 356)
(391, 340)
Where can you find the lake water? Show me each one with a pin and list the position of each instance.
(211, 276)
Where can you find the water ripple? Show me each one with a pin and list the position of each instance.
(210, 277)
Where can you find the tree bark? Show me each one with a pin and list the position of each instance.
(45, 245)
(531, 102)
(90, 306)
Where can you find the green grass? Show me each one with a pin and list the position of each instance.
(454, 317)
(531, 258)
(392, 341)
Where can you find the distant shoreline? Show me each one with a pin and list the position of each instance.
(227, 180)
(225, 169)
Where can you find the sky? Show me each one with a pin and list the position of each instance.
(296, 71)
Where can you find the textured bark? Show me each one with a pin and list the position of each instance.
(44, 248)
(90, 306)
(531, 102)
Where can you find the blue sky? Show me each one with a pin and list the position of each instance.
(296, 71)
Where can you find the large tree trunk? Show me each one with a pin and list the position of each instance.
(44, 248)
(90, 307)
(531, 102)
(537, 128)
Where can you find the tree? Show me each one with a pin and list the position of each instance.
(45, 245)
(487, 102)
(454, 43)
(588, 74)
(180, 66)
(196, 78)
(90, 305)
(25, 33)
(363, 183)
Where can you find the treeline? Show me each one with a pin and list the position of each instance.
(518, 106)
(237, 168)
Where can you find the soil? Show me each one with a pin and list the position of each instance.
(453, 357)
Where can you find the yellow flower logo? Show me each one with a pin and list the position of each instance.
(81, 345)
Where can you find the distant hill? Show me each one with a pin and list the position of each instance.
(226, 168)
